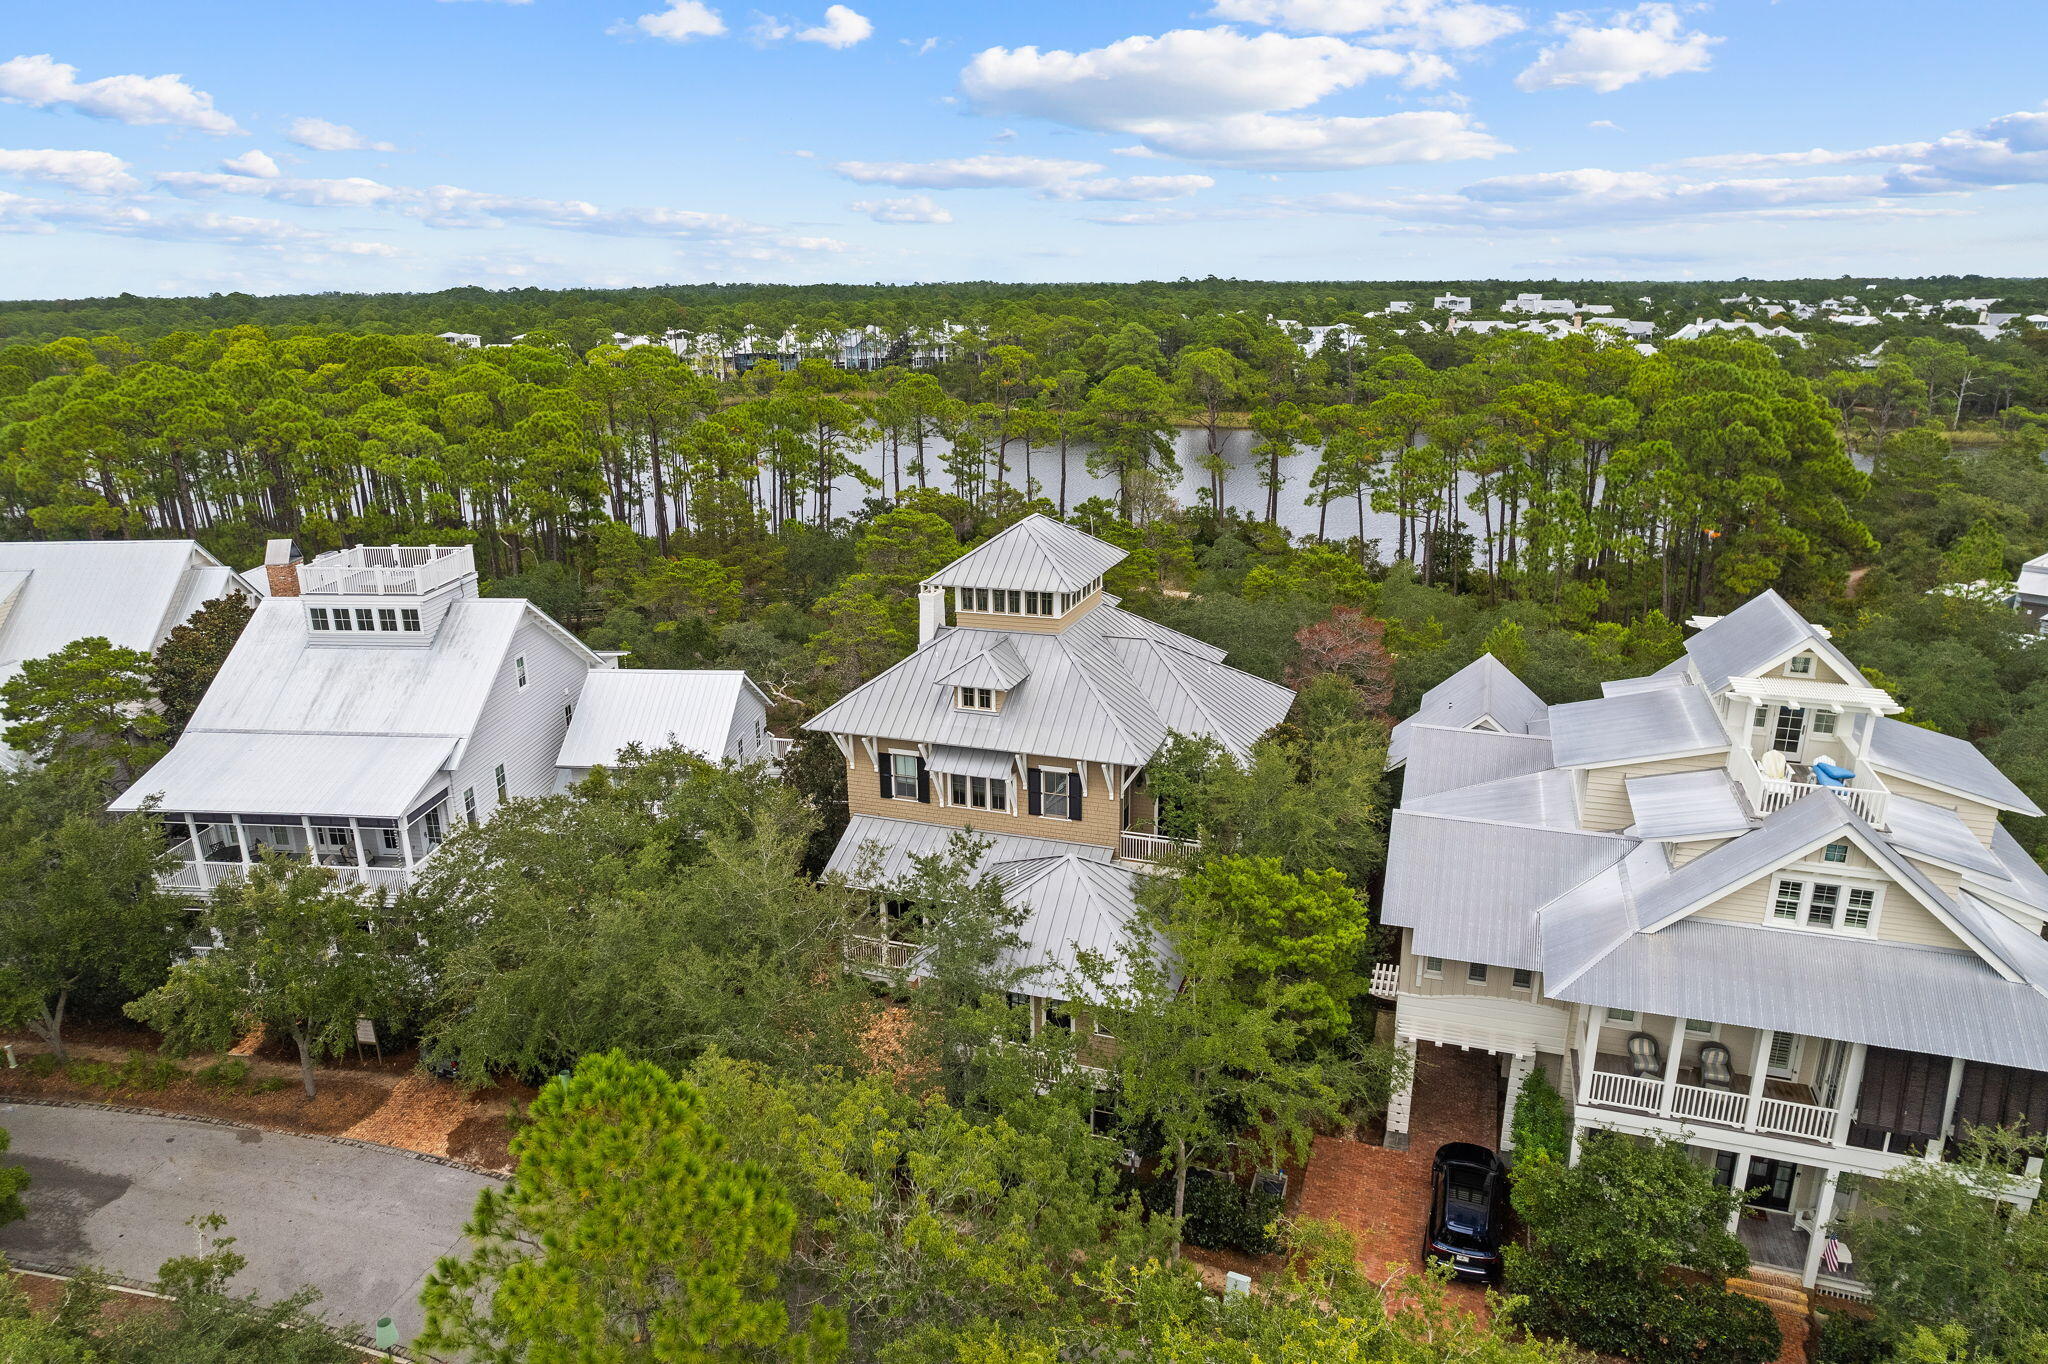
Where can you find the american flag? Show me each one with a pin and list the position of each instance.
(1831, 1256)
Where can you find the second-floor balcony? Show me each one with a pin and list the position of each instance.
(1779, 1107)
(1135, 846)
(1789, 780)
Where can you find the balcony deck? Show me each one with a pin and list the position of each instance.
(1781, 1109)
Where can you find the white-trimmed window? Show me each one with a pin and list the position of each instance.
(974, 698)
(1783, 1061)
(1430, 968)
(1475, 973)
(519, 667)
(1056, 792)
(1790, 729)
(1523, 979)
(499, 777)
(387, 618)
(979, 793)
(1835, 852)
(1701, 1027)
(1621, 1018)
(1823, 722)
(1761, 717)
(409, 617)
(1058, 1014)
(366, 618)
(902, 774)
(1801, 665)
(469, 804)
(342, 619)
(317, 617)
(1825, 906)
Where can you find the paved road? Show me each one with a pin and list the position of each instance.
(361, 1224)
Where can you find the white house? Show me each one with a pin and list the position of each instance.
(130, 592)
(1707, 326)
(1734, 903)
(1451, 303)
(374, 701)
(462, 340)
(1537, 303)
(720, 715)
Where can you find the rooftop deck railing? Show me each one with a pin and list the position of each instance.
(385, 570)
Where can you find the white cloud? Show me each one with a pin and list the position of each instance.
(1222, 96)
(968, 172)
(1131, 188)
(252, 162)
(92, 172)
(1645, 43)
(842, 28)
(1268, 142)
(916, 208)
(1450, 23)
(46, 216)
(322, 136)
(46, 84)
(679, 23)
(1605, 124)
(919, 47)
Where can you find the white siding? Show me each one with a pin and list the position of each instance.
(749, 720)
(522, 729)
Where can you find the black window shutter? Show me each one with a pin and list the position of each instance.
(1074, 793)
(882, 762)
(924, 782)
(1032, 789)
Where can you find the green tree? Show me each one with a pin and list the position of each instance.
(87, 703)
(1605, 1234)
(1541, 1122)
(1305, 936)
(13, 1179)
(184, 665)
(626, 1233)
(296, 954)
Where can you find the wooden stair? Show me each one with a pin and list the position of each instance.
(1788, 1300)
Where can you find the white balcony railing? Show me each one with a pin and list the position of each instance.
(385, 570)
(1611, 1090)
(1776, 795)
(1137, 847)
(201, 879)
(1386, 979)
(1789, 1119)
(1723, 1106)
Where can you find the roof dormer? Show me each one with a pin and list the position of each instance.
(384, 594)
(1038, 575)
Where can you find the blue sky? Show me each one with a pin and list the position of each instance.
(413, 144)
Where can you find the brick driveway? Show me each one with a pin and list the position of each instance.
(1382, 1196)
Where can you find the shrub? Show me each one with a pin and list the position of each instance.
(145, 1072)
(94, 1074)
(1845, 1339)
(269, 1084)
(1540, 1121)
(1221, 1215)
(227, 1073)
(42, 1066)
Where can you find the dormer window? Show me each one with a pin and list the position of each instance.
(1835, 852)
(975, 698)
(1801, 666)
(316, 616)
(1828, 906)
(342, 619)
(387, 618)
(1823, 722)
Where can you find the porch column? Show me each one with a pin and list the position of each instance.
(1759, 1069)
(1948, 1108)
(1589, 1052)
(1852, 1088)
(405, 844)
(242, 841)
(1400, 1106)
(1823, 1216)
(1677, 1053)
(1518, 1071)
(1739, 1182)
(312, 844)
(355, 833)
(199, 857)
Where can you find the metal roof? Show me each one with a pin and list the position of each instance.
(1805, 691)
(1937, 833)
(370, 777)
(1657, 723)
(131, 592)
(998, 667)
(1922, 999)
(1541, 799)
(1482, 690)
(1943, 760)
(278, 680)
(1470, 888)
(1108, 689)
(1682, 805)
(1441, 759)
(897, 843)
(654, 708)
(969, 762)
(1037, 554)
(2024, 880)
(1754, 635)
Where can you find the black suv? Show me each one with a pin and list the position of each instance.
(1467, 1208)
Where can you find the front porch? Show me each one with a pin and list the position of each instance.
(1778, 1106)
(211, 849)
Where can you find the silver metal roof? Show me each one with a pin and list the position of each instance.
(1682, 805)
(1938, 833)
(1946, 761)
(131, 592)
(1074, 898)
(1858, 989)
(1482, 690)
(999, 667)
(1470, 888)
(370, 777)
(1657, 723)
(1540, 799)
(1108, 688)
(1037, 554)
(2024, 880)
(969, 762)
(654, 708)
(1753, 635)
(1441, 759)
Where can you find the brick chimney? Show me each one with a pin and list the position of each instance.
(281, 567)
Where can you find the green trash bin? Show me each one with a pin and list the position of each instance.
(387, 1334)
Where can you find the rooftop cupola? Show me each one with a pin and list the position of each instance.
(384, 594)
(1037, 575)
